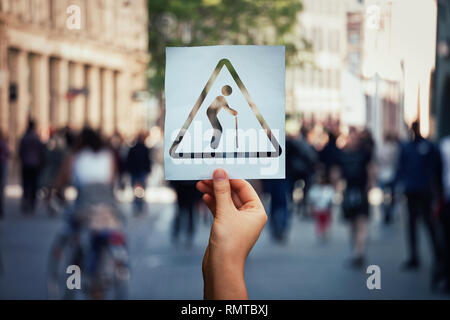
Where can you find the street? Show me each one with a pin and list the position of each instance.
(304, 268)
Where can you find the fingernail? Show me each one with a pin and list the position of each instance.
(219, 175)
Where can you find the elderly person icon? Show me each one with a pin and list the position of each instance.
(212, 112)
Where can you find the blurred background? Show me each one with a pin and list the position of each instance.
(368, 153)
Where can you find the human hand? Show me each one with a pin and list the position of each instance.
(234, 113)
(239, 218)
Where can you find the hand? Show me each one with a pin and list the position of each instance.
(234, 113)
(239, 218)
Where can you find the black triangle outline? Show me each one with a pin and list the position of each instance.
(253, 107)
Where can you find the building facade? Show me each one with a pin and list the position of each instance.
(398, 62)
(75, 63)
(371, 64)
(314, 89)
(380, 70)
(441, 93)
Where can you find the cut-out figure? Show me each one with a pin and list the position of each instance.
(212, 112)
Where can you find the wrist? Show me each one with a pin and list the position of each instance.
(224, 280)
(226, 258)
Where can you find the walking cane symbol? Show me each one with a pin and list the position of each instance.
(237, 136)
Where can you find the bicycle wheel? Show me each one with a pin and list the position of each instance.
(112, 275)
(63, 253)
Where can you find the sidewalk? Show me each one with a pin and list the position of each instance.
(302, 269)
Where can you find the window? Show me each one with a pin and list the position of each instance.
(354, 61)
(320, 78)
(338, 79)
(4, 5)
(52, 13)
(317, 39)
(354, 38)
(329, 78)
(308, 71)
(301, 76)
(337, 41)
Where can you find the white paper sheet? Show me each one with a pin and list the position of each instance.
(203, 133)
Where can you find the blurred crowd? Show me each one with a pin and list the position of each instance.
(343, 170)
(329, 169)
(48, 168)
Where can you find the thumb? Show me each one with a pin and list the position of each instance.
(222, 190)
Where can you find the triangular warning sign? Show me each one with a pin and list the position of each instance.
(201, 98)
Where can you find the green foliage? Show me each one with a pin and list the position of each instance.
(213, 22)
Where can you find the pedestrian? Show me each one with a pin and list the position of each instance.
(301, 158)
(387, 159)
(328, 156)
(69, 137)
(91, 168)
(354, 162)
(54, 154)
(139, 165)
(279, 214)
(445, 215)
(417, 175)
(31, 154)
(367, 142)
(187, 198)
(120, 151)
(4, 158)
(320, 203)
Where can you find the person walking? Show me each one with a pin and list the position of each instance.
(354, 162)
(4, 158)
(120, 151)
(321, 197)
(279, 214)
(31, 155)
(301, 159)
(54, 155)
(328, 156)
(139, 165)
(387, 159)
(417, 174)
(187, 198)
(445, 215)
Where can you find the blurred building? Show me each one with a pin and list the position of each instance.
(355, 39)
(441, 98)
(354, 102)
(398, 59)
(371, 64)
(72, 63)
(380, 69)
(314, 89)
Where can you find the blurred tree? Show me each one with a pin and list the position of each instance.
(212, 22)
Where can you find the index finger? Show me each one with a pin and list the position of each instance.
(245, 191)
